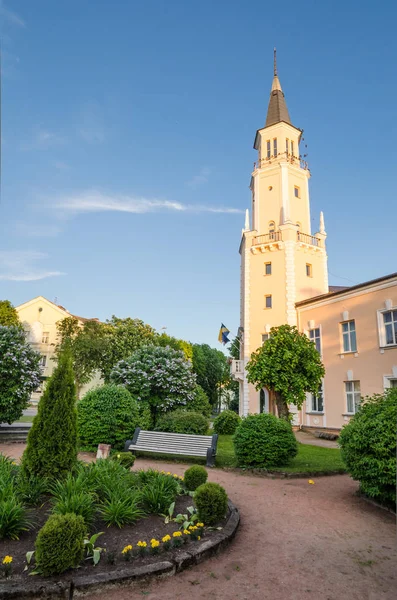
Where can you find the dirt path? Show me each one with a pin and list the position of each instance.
(296, 542)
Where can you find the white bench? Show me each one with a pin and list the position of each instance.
(203, 446)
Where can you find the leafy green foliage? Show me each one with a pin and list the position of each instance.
(194, 477)
(14, 518)
(52, 441)
(200, 402)
(121, 507)
(107, 415)
(183, 421)
(212, 370)
(226, 423)
(368, 445)
(165, 340)
(31, 490)
(20, 373)
(93, 552)
(126, 459)
(60, 544)
(211, 502)
(158, 493)
(264, 441)
(8, 314)
(159, 377)
(288, 364)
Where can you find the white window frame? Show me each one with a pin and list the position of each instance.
(268, 149)
(382, 328)
(313, 339)
(43, 361)
(292, 148)
(353, 392)
(320, 394)
(387, 379)
(45, 338)
(349, 332)
(266, 264)
(275, 149)
(265, 337)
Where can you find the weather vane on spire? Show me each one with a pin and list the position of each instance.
(275, 61)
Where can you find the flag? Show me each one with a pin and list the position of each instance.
(223, 333)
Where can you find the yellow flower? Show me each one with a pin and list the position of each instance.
(200, 524)
(181, 477)
(166, 538)
(118, 456)
(7, 560)
(142, 544)
(177, 534)
(126, 549)
(168, 473)
(186, 532)
(311, 481)
(162, 472)
(154, 543)
(199, 537)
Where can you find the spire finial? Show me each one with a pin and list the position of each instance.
(322, 226)
(275, 61)
(247, 220)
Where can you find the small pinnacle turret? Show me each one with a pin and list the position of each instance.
(277, 110)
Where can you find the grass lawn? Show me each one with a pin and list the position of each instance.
(26, 419)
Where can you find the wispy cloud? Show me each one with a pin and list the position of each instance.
(10, 16)
(19, 266)
(43, 139)
(200, 178)
(95, 201)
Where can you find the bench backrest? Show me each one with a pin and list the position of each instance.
(197, 444)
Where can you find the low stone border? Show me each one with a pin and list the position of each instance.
(78, 586)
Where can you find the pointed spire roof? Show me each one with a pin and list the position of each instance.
(277, 110)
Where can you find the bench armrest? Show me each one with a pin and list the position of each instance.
(133, 441)
(211, 452)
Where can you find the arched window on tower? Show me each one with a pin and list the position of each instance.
(299, 226)
(272, 230)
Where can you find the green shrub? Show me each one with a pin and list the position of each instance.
(200, 402)
(60, 544)
(183, 421)
(107, 415)
(226, 423)
(121, 507)
(194, 477)
(264, 441)
(31, 490)
(126, 459)
(211, 502)
(14, 518)
(51, 451)
(368, 446)
(159, 493)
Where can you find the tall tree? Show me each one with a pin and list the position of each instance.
(167, 340)
(51, 451)
(8, 314)
(20, 373)
(212, 369)
(289, 365)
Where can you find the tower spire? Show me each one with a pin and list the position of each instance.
(275, 62)
(277, 110)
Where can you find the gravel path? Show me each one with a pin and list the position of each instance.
(296, 541)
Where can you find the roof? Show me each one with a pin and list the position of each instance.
(337, 288)
(58, 306)
(347, 290)
(277, 110)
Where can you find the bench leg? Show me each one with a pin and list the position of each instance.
(210, 458)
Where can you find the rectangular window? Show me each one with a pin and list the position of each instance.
(275, 147)
(317, 400)
(268, 268)
(43, 360)
(45, 337)
(287, 146)
(265, 337)
(349, 336)
(353, 396)
(390, 323)
(268, 149)
(314, 335)
(297, 192)
(292, 148)
(268, 301)
(309, 270)
(393, 382)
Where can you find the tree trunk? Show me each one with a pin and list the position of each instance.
(282, 407)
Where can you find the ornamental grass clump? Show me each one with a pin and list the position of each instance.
(264, 441)
(60, 544)
(194, 477)
(211, 502)
(226, 423)
(158, 493)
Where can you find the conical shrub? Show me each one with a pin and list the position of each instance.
(51, 451)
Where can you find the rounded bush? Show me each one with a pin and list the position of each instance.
(60, 544)
(368, 447)
(126, 459)
(200, 402)
(194, 477)
(264, 441)
(227, 422)
(107, 415)
(183, 421)
(211, 502)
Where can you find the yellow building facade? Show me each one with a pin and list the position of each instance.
(283, 271)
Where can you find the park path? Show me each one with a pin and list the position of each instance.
(296, 541)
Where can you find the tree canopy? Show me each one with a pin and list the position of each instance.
(8, 314)
(212, 369)
(289, 365)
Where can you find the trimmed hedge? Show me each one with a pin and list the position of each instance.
(60, 544)
(226, 423)
(200, 402)
(264, 441)
(183, 421)
(194, 477)
(368, 446)
(107, 415)
(211, 502)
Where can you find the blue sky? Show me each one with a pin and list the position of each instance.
(127, 132)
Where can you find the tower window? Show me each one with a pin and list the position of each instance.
(287, 146)
(297, 192)
(268, 149)
(265, 337)
(309, 270)
(292, 148)
(275, 147)
(268, 268)
(349, 336)
(268, 301)
(272, 226)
